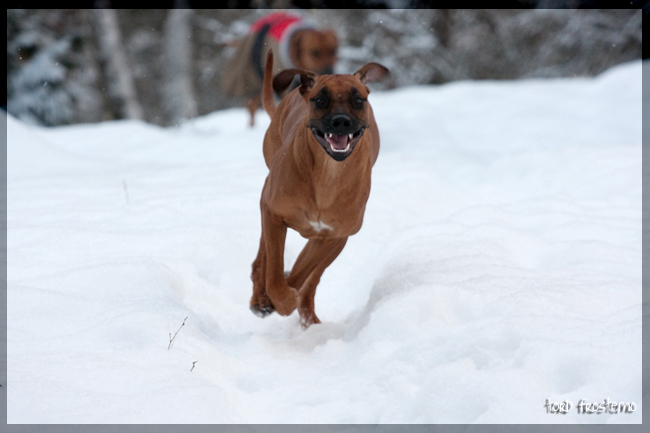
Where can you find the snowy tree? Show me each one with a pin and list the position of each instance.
(51, 78)
(439, 46)
(179, 102)
(39, 94)
(120, 86)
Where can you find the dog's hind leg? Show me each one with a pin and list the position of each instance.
(253, 104)
(317, 255)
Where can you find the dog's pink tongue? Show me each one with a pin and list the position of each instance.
(338, 142)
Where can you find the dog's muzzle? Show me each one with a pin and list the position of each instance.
(338, 135)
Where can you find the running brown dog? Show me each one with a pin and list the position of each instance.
(320, 148)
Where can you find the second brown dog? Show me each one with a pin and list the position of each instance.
(299, 42)
(320, 148)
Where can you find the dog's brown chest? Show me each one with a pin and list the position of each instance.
(336, 201)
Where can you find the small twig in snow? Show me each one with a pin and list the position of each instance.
(126, 191)
(171, 339)
(193, 364)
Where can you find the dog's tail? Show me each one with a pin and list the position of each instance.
(267, 87)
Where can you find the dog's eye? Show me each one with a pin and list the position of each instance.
(358, 102)
(319, 102)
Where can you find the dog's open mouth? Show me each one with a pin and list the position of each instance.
(338, 146)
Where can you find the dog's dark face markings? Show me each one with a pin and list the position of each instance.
(338, 105)
(338, 116)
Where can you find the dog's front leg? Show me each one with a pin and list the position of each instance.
(260, 303)
(317, 255)
(274, 231)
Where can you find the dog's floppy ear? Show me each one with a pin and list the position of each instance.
(284, 79)
(371, 72)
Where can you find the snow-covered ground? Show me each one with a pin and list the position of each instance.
(499, 266)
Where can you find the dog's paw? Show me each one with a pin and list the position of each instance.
(307, 318)
(287, 303)
(262, 310)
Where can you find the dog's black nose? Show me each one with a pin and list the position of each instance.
(341, 121)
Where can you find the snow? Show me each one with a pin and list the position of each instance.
(499, 265)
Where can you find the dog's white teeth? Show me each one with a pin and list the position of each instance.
(342, 150)
(350, 136)
(328, 135)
